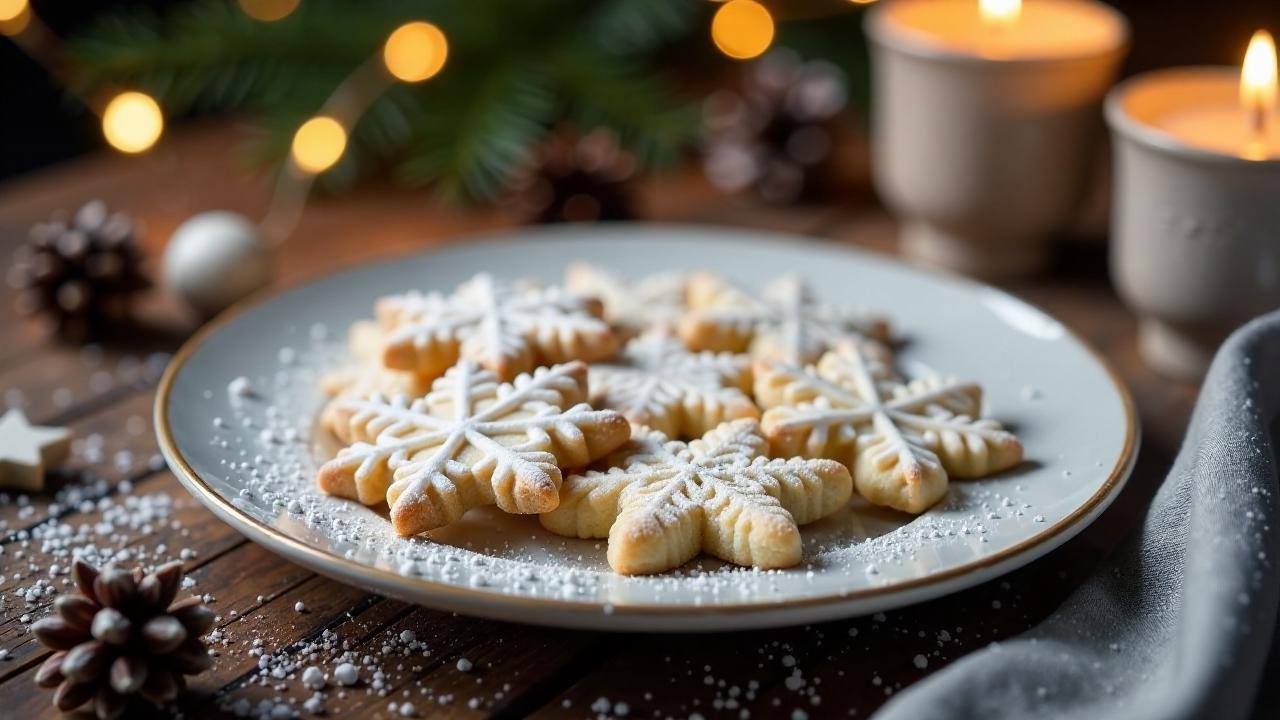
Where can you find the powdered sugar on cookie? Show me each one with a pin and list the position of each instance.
(657, 382)
(507, 328)
(662, 502)
(471, 441)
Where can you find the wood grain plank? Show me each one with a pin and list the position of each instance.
(109, 446)
(851, 666)
(63, 383)
(148, 536)
(507, 660)
(279, 626)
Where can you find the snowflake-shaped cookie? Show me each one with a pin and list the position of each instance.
(902, 440)
(471, 441)
(659, 383)
(784, 322)
(662, 502)
(507, 328)
(653, 301)
(366, 375)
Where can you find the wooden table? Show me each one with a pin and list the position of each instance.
(848, 668)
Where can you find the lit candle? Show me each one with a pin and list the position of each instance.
(1195, 206)
(986, 123)
(1226, 112)
(1006, 29)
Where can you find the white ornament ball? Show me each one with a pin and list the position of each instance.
(214, 259)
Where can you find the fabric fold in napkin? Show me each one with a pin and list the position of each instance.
(1178, 623)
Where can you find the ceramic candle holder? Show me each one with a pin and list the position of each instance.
(984, 149)
(1195, 247)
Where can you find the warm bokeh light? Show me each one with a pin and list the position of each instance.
(862, 2)
(318, 144)
(132, 122)
(415, 51)
(999, 13)
(11, 9)
(1258, 74)
(268, 10)
(15, 15)
(742, 29)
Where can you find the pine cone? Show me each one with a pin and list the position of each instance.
(576, 177)
(777, 135)
(122, 636)
(81, 272)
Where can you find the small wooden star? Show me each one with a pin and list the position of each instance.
(26, 450)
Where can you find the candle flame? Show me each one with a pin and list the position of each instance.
(1258, 75)
(999, 13)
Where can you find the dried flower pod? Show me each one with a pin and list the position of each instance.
(122, 637)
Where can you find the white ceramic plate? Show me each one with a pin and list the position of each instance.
(251, 459)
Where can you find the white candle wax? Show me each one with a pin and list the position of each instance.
(1224, 130)
(1043, 29)
(1200, 108)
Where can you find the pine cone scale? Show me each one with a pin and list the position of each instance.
(109, 705)
(128, 674)
(111, 626)
(160, 687)
(193, 615)
(85, 575)
(115, 588)
(50, 673)
(76, 611)
(163, 634)
(159, 588)
(57, 633)
(86, 661)
(71, 694)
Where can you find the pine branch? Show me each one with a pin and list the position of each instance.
(607, 90)
(514, 70)
(472, 144)
(208, 54)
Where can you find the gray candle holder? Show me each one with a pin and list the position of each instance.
(985, 158)
(1195, 246)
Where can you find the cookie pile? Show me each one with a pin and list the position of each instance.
(675, 415)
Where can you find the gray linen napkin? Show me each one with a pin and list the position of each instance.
(1178, 623)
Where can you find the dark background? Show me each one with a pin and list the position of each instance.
(40, 124)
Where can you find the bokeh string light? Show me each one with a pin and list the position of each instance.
(15, 15)
(268, 10)
(318, 144)
(132, 122)
(415, 52)
(742, 29)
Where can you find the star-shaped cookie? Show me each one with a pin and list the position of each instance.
(658, 382)
(27, 450)
(902, 440)
(662, 502)
(508, 328)
(784, 322)
(471, 441)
